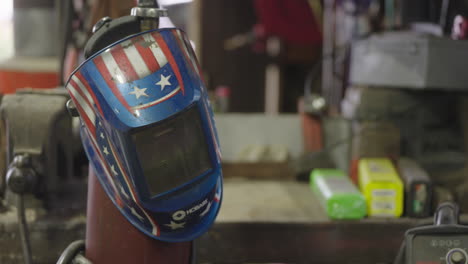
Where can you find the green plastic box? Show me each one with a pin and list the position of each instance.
(340, 198)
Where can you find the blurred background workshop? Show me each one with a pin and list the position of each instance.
(343, 128)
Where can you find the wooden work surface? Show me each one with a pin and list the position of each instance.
(283, 222)
(247, 200)
(269, 201)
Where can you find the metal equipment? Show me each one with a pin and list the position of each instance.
(409, 60)
(39, 137)
(446, 241)
(41, 183)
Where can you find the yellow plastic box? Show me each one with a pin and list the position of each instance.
(381, 186)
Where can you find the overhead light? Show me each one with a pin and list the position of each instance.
(173, 2)
(6, 9)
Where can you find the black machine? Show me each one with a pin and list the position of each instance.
(444, 242)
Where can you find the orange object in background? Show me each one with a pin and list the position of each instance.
(353, 171)
(28, 72)
(312, 132)
(311, 129)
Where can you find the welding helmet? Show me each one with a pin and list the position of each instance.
(148, 131)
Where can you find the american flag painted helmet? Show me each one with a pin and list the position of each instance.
(149, 133)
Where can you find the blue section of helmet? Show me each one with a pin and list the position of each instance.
(182, 213)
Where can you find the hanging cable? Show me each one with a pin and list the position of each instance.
(21, 179)
(23, 229)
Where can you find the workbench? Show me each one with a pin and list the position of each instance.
(261, 221)
(283, 222)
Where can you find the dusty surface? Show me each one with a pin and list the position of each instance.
(269, 201)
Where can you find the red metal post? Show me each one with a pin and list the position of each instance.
(111, 239)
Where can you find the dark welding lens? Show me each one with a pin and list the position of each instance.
(173, 152)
